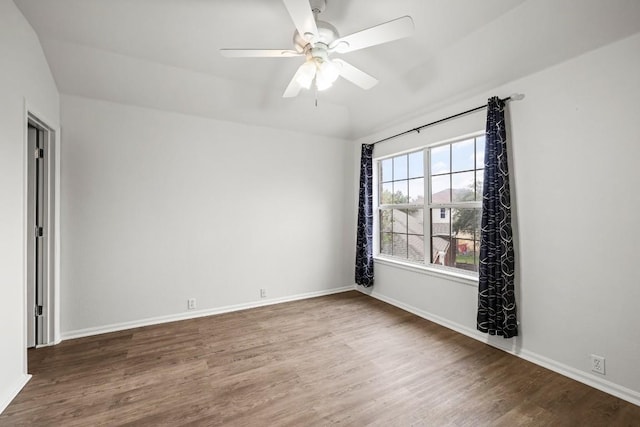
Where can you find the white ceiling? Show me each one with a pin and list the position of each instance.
(164, 54)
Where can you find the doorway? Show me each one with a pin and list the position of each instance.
(40, 229)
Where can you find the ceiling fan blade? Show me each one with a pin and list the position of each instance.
(383, 33)
(259, 53)
(302, 17)
(293, 89)
(355, 75)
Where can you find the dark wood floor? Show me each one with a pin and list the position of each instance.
(344, 359)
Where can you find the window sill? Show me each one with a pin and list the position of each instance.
(466, 279)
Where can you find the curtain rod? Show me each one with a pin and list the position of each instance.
(513, 97)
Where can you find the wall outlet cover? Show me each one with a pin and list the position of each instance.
(597, 364)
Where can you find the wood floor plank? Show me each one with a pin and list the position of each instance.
(343, 359)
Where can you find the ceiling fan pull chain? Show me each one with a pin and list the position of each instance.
(315, 90)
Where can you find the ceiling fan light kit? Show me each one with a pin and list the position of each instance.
(317, 40)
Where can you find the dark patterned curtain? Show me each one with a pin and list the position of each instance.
(364, 245)
(496, 295)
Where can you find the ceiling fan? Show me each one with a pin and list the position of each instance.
(318, 40)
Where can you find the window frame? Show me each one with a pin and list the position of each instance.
(424, 266)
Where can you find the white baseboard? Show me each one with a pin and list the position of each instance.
(79, 333)
(509, 346)
(12, 391)
(601, 384)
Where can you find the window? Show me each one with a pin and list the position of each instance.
(451, 176)
(401, 200)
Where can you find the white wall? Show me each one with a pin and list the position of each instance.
(159, 207)
(575, 152)
(24, 78)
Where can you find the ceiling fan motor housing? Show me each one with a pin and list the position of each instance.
(327, 33)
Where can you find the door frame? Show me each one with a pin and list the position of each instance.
(51, 287)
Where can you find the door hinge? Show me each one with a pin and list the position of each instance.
(39, 153)
(38, 310)
(39, 231)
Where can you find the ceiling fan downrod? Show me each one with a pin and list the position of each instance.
(318, 6)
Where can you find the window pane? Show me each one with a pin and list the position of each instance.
(401, 191)
(399, 167)
(464, 223)
(386, 240)
(440, 226)
(416, 248)
(386, 170)
(400, 245)
(386, 221)
(416, 190)
(416, 165)
(386, 193)
(441, 189)
(480, 141)
(440, 248)
(462, 156)
(415, 221)
(440, 161)
(465, 255)
(462, 187)
(478, 224)
(400, 221)
(479, 184)
(440, 236)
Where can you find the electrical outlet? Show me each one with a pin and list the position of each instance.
(597, 364)
(263, 293)
(191, 303)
